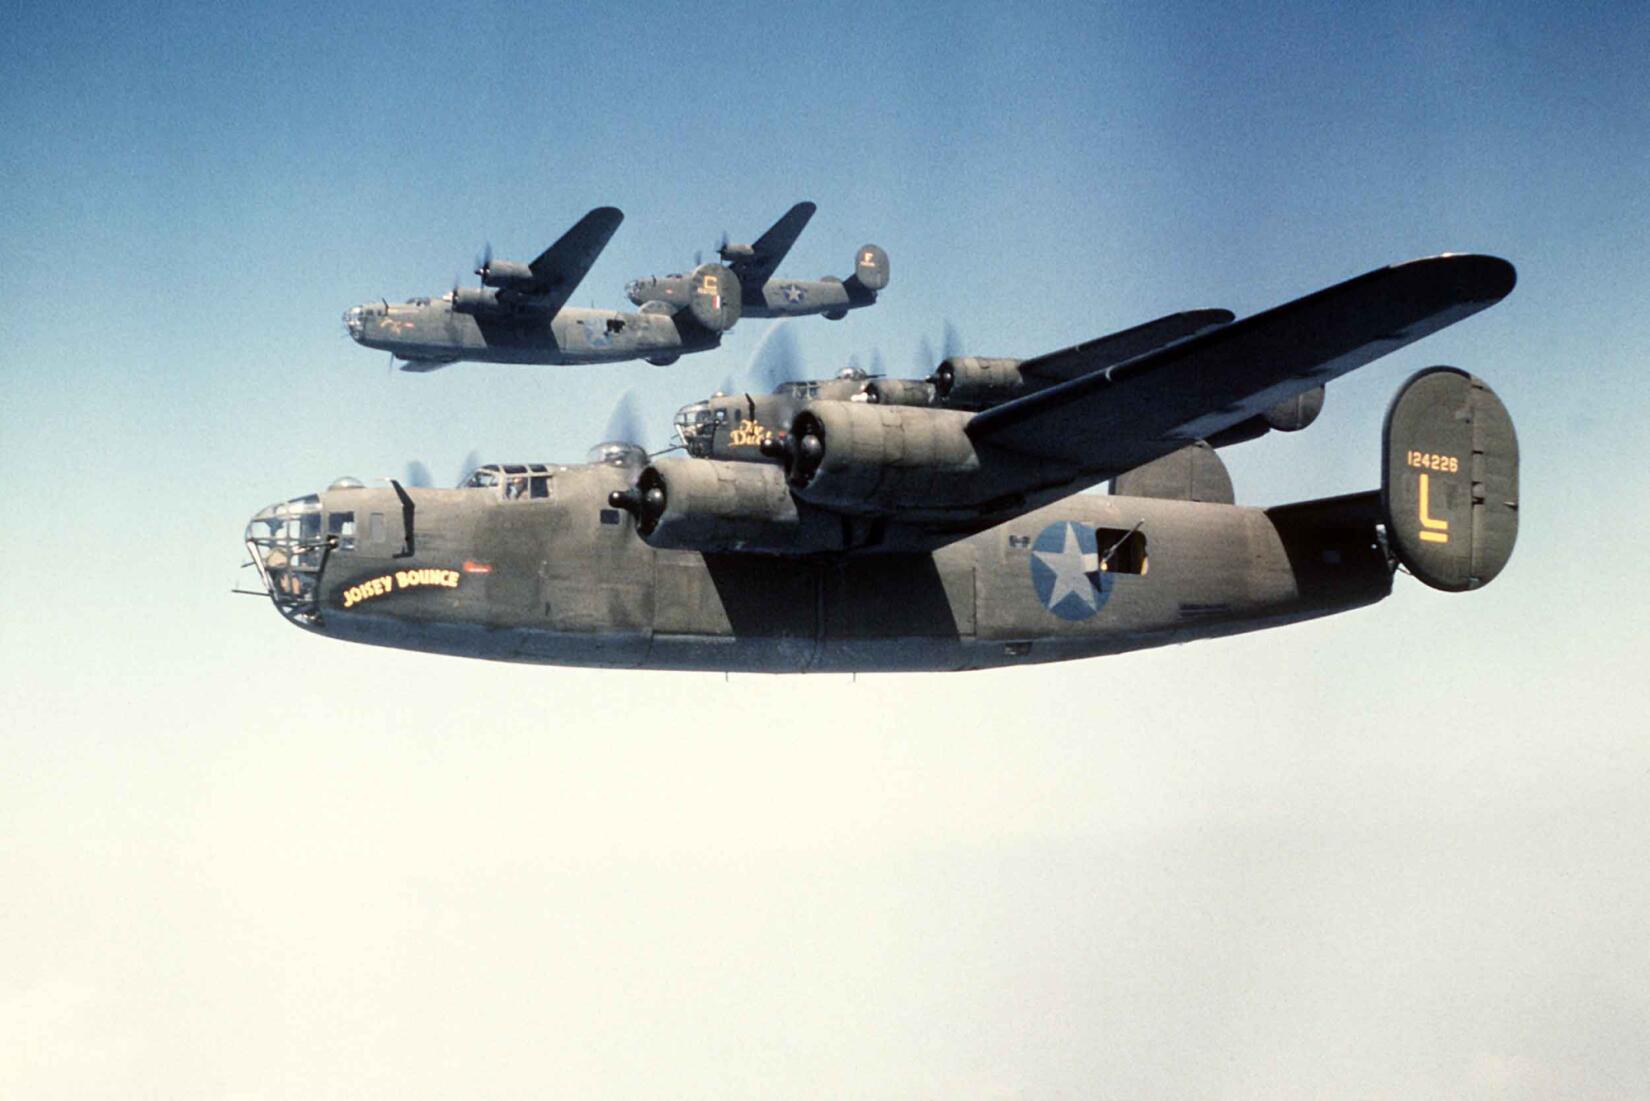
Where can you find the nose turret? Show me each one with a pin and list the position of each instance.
(289, 551)
(354, 322)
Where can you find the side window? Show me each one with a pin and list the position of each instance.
(342, 526)
(541, 486)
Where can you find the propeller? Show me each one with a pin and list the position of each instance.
(925, 356)
(625, 423)
(722, 245)
(417, 475)
(472, 459)
(775, 359)
(484, 264)
(951, 346)
(878, 368)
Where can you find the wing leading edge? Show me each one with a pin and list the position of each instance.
(1119, 417)
(560, 268)
(1114, 348)
(771, 248)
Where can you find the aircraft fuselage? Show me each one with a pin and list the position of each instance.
(430, 331)
(560, 578)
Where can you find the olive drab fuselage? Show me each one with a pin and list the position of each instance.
(431, 331)
(536, 567)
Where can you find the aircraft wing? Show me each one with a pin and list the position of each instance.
(772, 246)
(1121, 416)
(562, 267)
(1114, 348)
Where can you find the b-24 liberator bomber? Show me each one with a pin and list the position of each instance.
(520, 314)
(765, 294)
(735, 425)
(881, 537)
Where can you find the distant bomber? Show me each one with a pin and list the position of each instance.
(936, 524)
(765, 295)
(520, 313)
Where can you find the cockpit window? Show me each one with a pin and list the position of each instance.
(514, 481)
(341, 527)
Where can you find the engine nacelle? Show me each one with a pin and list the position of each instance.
(880, 459)
(901, 391)
(475, 300)
(714, 300)
(1294, 414)
(505, 273)
(713, 506)
(975, 382)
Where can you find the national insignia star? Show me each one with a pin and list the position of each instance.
(1071, 571)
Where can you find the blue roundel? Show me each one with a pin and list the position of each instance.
(1065, 570)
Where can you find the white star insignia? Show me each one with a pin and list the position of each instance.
(1071, 571)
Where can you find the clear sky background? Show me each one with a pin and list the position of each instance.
(1397, 853)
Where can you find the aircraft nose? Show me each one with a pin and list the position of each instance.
(352, 322)
(289, 553)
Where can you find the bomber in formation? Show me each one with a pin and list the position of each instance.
(520, 312)
(936, 523)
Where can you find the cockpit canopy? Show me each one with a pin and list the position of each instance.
(617, 453)
(513, 481)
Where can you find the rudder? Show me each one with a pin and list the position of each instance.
(1449, 479)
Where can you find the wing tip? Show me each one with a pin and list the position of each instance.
(1475, 276)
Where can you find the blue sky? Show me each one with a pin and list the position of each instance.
(249, 862)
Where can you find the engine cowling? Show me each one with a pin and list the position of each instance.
(473, 300)
(714, 506)
(880, 459)
(976, 382)
(900, 391)
(505, 273)
(1294, 414)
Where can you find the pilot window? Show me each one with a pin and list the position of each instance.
(341, 527)
(541, 486)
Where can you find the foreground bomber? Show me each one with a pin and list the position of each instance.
(937, 533)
